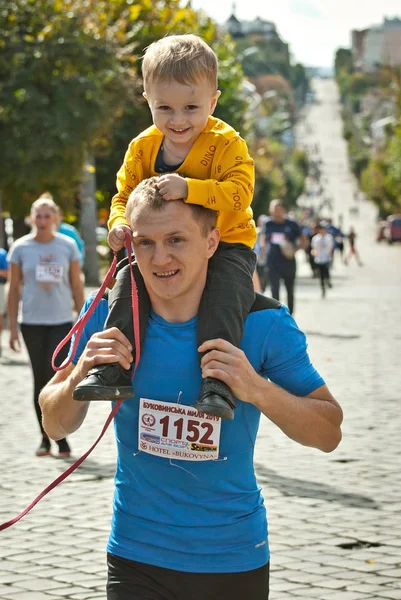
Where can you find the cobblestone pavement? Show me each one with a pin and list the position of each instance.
(335, 519)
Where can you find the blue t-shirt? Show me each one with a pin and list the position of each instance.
(72, 232)
(198, 516)
(337, 234)
(3, 264)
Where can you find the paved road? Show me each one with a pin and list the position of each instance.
(335, 518)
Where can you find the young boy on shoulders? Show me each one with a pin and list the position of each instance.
(201, 160)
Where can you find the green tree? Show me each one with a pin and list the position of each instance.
(267, 56)
(300, 82)
(393, 162)
(381, 179)
(343, 61)
(279, 174)
(63, 77)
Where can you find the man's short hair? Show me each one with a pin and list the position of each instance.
(275, 203)
(182, 58)
(147, 194)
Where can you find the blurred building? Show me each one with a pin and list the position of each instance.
(378, 45)
(358, 45)
(258, 29)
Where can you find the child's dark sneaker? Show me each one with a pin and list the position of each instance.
(44, 448)
(105, 382)
(63, 448)
(216, 399)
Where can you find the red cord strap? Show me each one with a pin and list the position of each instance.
(64, 475)
(78, 328)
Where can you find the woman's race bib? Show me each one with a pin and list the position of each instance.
(49, 273)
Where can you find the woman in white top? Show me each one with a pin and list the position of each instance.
(45, 274)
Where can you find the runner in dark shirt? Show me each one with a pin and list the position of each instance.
(282, 235)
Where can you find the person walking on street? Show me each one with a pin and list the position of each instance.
(352, 248)
(281, 236)
(3, 281)
(338, 237)
(260, 250)
(322, 249)
(45, 274)
(72, 232)
(189, 520)
(307, 233)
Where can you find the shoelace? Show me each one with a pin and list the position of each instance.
(77, 329)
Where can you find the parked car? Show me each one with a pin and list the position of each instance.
(380, 231)
(393, 229)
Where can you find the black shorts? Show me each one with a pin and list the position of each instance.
(130, 580)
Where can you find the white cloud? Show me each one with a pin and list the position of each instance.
(313, 28)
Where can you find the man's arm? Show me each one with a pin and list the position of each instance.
(313, 420)
(297, 236)
(61, 414)
(14, 294)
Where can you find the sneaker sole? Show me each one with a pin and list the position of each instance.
(93, 393)
(43, 453)
(216, 411)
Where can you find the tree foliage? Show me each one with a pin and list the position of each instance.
(64, 73)
(70, 81)
(381, 179)
(343, 61)
(377, 167)
(280, 173)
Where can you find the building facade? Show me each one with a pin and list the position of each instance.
(379, 45)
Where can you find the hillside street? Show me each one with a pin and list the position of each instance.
(334, 519)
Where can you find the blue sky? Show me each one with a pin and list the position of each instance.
(313, 28)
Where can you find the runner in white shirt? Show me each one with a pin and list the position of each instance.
(322, 250)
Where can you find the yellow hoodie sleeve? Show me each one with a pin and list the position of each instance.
(127, 180)
(232, 188)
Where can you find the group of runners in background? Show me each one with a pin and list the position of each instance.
(281, 235)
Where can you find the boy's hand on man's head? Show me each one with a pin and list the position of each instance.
(116, 237)
(173, 187)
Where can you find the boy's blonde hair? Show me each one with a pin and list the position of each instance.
(182, 58)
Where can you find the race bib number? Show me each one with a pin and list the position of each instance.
(177, 431)
(277, 238)
(49, 273)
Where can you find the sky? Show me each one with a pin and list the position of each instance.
(314, 29)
